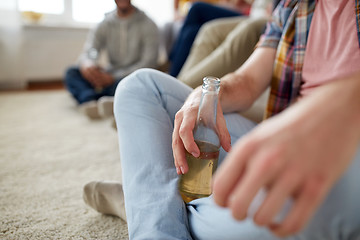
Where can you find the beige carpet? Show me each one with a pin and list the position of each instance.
(48, 151)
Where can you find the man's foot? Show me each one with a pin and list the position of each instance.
(90, 109)
(106, 198)
(105, 106)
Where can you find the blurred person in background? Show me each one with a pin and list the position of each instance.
(200, 13)
(222, 45)
(130, 40)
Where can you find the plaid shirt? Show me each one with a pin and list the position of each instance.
(288, 32)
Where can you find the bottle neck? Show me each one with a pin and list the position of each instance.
(211, 84)
(209, 98)
(205, 129)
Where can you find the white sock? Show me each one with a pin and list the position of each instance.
(105, 197)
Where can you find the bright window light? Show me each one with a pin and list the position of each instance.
(91, 10)
(160, 11)
(8, 5)
(43, 6)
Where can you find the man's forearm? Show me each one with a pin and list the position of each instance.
(343, 97)
(241, 88)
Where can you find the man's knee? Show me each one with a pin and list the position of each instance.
(252, 28)
(136, 79)
(70, 74)
(243, 39)
(135, 84)
(72, 71)
(208, 29)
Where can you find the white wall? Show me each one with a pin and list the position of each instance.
(47, 52)
(37, 53)
(34, 53)
(10, 49)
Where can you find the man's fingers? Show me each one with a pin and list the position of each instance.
(183, 139)
(282, 190)
(309, 198)
(225, 139)
(179, 157)
(187, 136)
(87, 75)
(90, 77)
(178, 147)
(93, 75)
(230, 172)
(261, 169)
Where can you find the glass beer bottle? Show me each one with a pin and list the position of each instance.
(196, 183)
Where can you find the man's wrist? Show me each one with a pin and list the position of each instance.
(235, 93)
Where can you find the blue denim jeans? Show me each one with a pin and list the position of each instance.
(145, 106)
(82, 90)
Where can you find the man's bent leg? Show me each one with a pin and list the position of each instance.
(210, 36)
(81, 89)
(145, 106)
(231, 53)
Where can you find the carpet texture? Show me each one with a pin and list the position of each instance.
(48, 152)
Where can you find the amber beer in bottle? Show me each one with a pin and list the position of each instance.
(196, 183)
